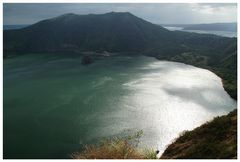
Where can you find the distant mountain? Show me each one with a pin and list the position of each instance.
(124, 32)
(9, 27)
(111, 32)
(215, 26)
(114, 32)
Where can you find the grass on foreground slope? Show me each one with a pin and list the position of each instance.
(116, 148)
(214, 140)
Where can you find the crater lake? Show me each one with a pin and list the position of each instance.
(54, 105)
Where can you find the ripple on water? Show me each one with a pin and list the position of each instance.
(168, 98)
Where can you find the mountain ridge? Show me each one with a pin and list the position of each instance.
(84, 32)
(113, 31)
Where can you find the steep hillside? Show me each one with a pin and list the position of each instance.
(110, 32)
(214, 140)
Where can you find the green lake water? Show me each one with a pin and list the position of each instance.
(53, 105)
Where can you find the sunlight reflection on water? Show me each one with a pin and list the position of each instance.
(170, 98)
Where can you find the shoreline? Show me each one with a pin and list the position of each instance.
(206, 68)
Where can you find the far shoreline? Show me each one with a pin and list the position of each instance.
(205, 67)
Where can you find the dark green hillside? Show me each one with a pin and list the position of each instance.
(106, 32)
(214, 140)
(124, 32)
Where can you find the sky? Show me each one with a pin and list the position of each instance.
(160, 13)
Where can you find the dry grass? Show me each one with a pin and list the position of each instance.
(109, 150)
(116, 148)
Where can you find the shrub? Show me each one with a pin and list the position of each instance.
(116, 148)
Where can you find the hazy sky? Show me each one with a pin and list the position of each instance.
(156, 13)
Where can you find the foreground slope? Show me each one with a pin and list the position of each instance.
(214, 140)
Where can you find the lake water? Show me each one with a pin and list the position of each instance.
(219, 33)
(53, 105)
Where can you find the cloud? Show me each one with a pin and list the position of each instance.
(225, 12)
(22, 13)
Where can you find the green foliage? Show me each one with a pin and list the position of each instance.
(150, 153)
